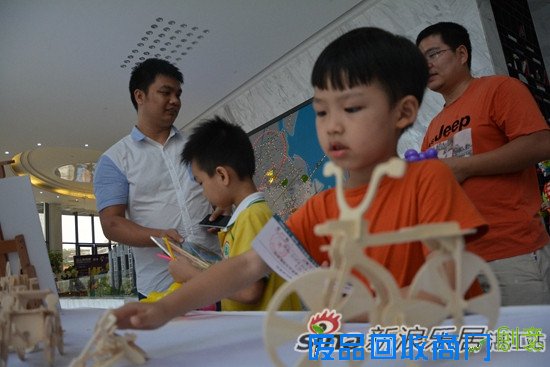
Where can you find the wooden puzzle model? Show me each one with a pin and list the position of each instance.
(106, 347)
(437, 291)
(28, 317)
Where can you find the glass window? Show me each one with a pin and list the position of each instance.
(42, 218)
(102, 249)
(67, 228)
(85, 229)
(98, 232)
(85, 250)
(69, 250)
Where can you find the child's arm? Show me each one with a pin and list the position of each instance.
(219, 281)
(182, 270)
(251, 294)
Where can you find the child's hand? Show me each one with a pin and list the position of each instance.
(182, 270)
(215, 214)
(136, 315)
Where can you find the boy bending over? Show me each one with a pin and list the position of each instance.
(222, 162)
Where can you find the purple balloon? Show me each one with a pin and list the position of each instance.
(410, 153)
(431, 153)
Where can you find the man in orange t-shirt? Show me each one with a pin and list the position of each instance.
(491, 133)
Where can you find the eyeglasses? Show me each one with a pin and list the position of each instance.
(434, 54)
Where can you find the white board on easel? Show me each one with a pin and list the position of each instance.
(18, 215)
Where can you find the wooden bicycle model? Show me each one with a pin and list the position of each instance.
(437, 291)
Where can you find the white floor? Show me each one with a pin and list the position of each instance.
(83, 302)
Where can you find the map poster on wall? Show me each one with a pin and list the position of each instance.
(289, 160)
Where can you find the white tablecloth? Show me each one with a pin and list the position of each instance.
(235, 339)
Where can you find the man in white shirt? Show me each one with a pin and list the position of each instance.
(142, 189)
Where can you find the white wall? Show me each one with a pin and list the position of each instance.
(286, 83)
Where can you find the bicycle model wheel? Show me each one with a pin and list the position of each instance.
(446, 289)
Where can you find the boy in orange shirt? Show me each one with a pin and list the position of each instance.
(368, 85)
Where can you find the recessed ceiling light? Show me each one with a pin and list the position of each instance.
(6, 152)
(85, 145)
(57, 196)
(39, 144)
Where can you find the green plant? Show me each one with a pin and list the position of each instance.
(69, 273)
(56, 261)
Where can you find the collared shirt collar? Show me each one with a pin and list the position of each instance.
(249, 200)
(137, 135)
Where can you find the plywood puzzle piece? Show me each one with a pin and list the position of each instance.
(436, 293)
(106, 347)
(29, 318)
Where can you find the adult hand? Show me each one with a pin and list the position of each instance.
(171, 234)
(136, 315)
(457, 165)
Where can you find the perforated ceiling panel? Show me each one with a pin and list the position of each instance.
(165, 39)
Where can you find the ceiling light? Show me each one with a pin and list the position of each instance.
(57, 196)
(6, 152)
(85, 145)
(39, 144)
(41, 192)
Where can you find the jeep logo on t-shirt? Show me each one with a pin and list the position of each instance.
(452, 128)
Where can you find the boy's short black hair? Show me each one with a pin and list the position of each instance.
(217, 142)
(366, 55)
(452, 34)
(144, 74)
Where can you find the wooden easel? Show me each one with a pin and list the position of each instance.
(18, 246)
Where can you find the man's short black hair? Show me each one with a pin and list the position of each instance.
(145, 73)
(367, 55)
(217, 142)
(452, 34)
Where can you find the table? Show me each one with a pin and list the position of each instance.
(205, 338)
